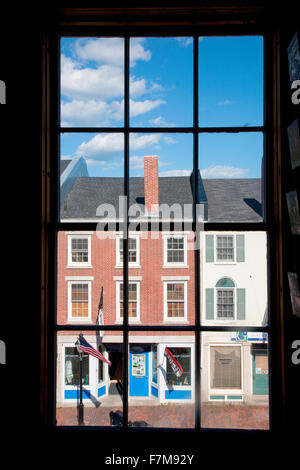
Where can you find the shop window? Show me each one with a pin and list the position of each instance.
(183, 356)
(225, 367)
(72, 367)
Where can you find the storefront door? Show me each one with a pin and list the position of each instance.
(260, 373)
(139, 374)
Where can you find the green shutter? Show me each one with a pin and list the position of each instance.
(209, 303)
(240, 248)
(241, 304)
(209, 242)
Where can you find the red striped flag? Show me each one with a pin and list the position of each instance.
(176, 367)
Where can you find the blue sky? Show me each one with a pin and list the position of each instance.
(161, 95)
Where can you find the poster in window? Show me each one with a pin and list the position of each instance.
(138, 365)
(293, 209)
(294, 143)
(294, 58)
(294, 293)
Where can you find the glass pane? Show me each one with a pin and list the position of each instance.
(231, 81)
(92, 82)
(91, 293)
(161, 82)
(161, 372)
(234, 292)
(235, 380)
(101, 372)
(91, 177)
(231, 168)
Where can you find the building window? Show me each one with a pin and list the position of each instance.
(183, 356)
(225, 304)
(79, 251)
(133, 251)
(175, 251)
(79, 293)
(225, 367)
(175, 301)
(225, 248)
(133, 301)
(72, 367)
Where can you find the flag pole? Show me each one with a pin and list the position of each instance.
(80, 406)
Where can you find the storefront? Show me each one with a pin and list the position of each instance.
(150, 372)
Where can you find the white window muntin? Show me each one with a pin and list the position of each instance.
(226, 289)
(225, 261)
(175, 280)
(120, 319)
(131, 264)
(169, 264)
(225, 391)
(79, 264)
(84, 281)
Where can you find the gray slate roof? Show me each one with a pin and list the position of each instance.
(229, 200)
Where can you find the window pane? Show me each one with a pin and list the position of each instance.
(232, 175)
(91, 177)
(231, 81)
(92, 82)
(234, 291)
(161, 82)
(161, 372)
(234, 380)
(102, 378)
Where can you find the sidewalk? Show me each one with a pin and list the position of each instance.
(237, 416)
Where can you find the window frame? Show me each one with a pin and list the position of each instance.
(73, 280)
(175, 280)
(78, 264)
(175, 264)
(49, 272)
(131, 264)
(120, 319)
(228, 261)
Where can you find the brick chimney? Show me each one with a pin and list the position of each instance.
(151, 184)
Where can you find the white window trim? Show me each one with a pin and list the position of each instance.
(131, 264)
(167, 264)
(79, 280)
(84, 264)
(224, 320)
(216, 251)
(120, 319)
(225, 391)
(177, 280)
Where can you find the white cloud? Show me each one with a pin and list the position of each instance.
(185, 41)
(161, 122)
(175, 173)
(220, 171)
(111, 50)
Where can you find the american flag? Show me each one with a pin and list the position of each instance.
(84, 346)
(176, 367)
